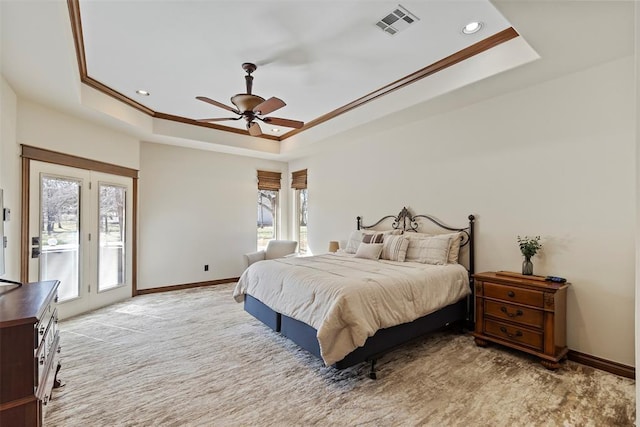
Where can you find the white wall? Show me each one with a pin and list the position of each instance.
(556, 160)
(196, 208)
(44, 127)
(10, 177)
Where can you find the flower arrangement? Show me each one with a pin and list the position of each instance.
(529, 246)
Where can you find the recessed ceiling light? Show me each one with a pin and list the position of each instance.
(472, 27)
(142, 92)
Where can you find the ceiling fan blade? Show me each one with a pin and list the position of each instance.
(283, 122)
(219, 119)
(254, 129)
(270, 105)
(217, 104)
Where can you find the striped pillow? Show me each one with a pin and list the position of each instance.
(394, 248)
(373, 238)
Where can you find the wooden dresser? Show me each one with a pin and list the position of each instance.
(522, 313)
(29, 351)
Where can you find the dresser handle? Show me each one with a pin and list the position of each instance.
(517, 313)
(504, 331)
(511, 294)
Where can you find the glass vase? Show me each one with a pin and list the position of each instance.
(527, 267)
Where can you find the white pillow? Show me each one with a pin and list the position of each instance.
(394, 248)
(429, 249)
(354, 241)
(369, 250)
(454, 249)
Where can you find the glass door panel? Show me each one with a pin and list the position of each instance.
(112, 236)
(60, 234)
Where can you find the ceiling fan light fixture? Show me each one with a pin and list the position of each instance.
(246, 102)
(251, 107)
(472, 27)
(142, 92)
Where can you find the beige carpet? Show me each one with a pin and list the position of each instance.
(195, 358)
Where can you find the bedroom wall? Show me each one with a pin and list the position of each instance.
(198, 207)
(9, 176)
(556, 159)
(40, 126)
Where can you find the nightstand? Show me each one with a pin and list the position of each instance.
(524, 313)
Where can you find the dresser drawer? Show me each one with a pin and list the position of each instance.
(44, 323)
(512, 294)
(514, 313)
(514, 334)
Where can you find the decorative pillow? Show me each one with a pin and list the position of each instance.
(394, 248)
(429, 249)
(369, 250)
(373, 238)
(356, 238)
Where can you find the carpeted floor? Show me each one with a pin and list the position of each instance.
(195, 358)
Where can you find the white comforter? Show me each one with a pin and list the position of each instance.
(348, 299)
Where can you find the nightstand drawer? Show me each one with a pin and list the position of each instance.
(515, 334)
(514, 313)
(512, 294)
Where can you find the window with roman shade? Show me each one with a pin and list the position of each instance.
(299, 184)
(268, 190)
(299, 180)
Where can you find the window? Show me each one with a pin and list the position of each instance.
(299, 184)
(268, 190)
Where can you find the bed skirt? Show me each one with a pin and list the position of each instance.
(381, 342)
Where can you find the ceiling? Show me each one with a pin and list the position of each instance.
(327, 60)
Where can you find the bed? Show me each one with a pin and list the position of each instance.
(355, 305)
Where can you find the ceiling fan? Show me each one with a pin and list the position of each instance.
(252, 107)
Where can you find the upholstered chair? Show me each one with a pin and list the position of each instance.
(275, 249)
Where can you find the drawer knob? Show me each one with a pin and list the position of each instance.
(511, 294)
(504, 331)
(516, 314)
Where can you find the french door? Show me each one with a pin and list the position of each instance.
(80, 233)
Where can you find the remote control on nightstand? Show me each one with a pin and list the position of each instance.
(556, 279)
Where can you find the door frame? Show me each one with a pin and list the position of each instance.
(29, 153)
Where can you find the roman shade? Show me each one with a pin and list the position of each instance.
(299, 180)
(268, 180)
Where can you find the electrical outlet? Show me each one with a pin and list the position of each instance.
(206, 267)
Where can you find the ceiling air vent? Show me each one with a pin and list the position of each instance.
(399, 19)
